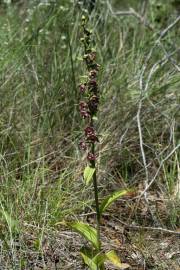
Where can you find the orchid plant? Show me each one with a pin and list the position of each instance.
(94, 257)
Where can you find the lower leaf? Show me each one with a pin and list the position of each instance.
(113, 197)
(114, 259)
(88, 261)
(85, 230)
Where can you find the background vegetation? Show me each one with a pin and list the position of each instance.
(40, 128)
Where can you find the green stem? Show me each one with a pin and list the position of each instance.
(96, 199)
(98, 216)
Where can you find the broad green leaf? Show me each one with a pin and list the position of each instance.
(85, 230)
(88, 174)
(111, 198)
(114, 259)
(99, 259)
(88, 261)
(91, 259)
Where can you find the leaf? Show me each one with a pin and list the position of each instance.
(93, 261)
(87, 231)
(89, 251)
(88, 174)
(89, 262)
(111, 198)
(114, 259)
(99, 259)
(95, 118)
(84, 229)
(79, 58)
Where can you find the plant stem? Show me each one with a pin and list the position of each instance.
(98, 216)
(93, 164)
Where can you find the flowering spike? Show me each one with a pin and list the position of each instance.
(88, 109)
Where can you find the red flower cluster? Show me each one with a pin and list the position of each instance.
(89, 88)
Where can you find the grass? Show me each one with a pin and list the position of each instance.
(40, 162)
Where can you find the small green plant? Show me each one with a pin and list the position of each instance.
(94, 256)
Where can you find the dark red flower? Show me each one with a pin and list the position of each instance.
(92, 73)
(84, 110)
(82, 88)
(93, 138)
(92, 84)
(90, 134)
(84, 114)
(91, 157)
(93, 104)
(90, 57)
(83, 145)
(89, 131)
(82, 104)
